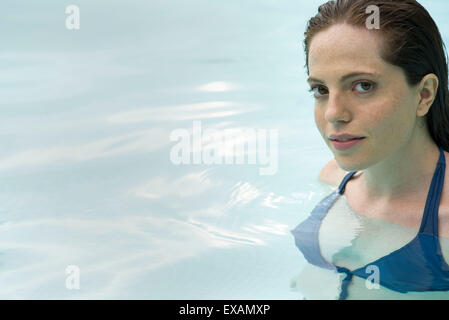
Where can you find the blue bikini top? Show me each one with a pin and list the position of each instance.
(417, 266)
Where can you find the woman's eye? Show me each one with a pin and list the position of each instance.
(364, 86)
(318, 91)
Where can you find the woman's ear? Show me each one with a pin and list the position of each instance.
(427, 91)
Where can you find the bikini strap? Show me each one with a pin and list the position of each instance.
(429, 223)
(341, 188)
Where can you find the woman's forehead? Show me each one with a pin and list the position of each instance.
(345, 47)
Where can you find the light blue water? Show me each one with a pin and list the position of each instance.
(85, 169)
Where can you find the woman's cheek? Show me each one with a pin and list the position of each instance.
(390, 123)
(320, 121)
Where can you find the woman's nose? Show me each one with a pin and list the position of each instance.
(336, 108)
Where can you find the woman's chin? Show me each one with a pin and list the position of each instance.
(350, 166)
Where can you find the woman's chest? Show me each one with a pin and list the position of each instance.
(350, 240)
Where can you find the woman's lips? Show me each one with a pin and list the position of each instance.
(345, 145)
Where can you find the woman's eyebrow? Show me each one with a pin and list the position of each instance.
(345, 77)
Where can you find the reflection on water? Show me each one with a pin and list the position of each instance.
(87, 178)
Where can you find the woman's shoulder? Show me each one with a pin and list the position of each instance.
(332, 174)
(443, 210)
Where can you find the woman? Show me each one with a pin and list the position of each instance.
(382, 107)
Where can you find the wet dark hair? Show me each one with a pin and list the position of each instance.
(412, 42)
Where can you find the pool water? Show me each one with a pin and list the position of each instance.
(87, 177)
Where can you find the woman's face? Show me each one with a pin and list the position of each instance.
(358, 93)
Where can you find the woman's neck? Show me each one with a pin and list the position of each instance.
(406, 172)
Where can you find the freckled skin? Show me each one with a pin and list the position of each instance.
(387, 116)
(390, 113)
